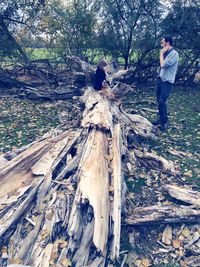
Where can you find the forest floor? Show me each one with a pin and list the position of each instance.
(22, 121)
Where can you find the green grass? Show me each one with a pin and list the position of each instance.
(41, 53)
(52, 54)
(22, 121)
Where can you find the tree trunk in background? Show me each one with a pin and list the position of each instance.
(25, 58)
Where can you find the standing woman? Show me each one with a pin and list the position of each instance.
(100, 75)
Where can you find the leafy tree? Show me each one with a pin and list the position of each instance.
(124, 22)
(71, 28)
(15, 15)
(183, 22)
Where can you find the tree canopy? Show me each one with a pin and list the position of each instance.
(124, 29)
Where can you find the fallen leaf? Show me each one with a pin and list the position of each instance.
(138, 262)
(167, 235)
(44, 233)
(176, 243)
(146, 263)
(66, 262)
(188, 173)
(186, 232)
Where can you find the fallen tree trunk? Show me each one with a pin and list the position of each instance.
(61, 197)
(69, 84)
(39, 80)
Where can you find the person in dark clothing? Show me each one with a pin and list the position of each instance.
(100, 75)
(168, 67)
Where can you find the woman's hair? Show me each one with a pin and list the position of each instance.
(102, 63)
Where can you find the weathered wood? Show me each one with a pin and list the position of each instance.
(154, 161)
(193, 261)
(60, 85)
(13, 214)
(150, 110)
(89, 70)
(117, 177)
(164, 214)
(183, 194)
(83, 66)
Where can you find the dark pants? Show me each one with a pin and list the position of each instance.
(163, 92)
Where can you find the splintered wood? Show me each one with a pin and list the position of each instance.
(61, 197)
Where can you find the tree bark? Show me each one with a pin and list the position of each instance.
(164, 214)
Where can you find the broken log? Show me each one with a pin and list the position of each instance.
(164, 214)
(186, 195)
(62, 196)
(193, 261)
(153, 161)
(69, 84)
(169, 213)
(77, 64)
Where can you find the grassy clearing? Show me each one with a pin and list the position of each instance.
(53, 55)
(41, 53)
